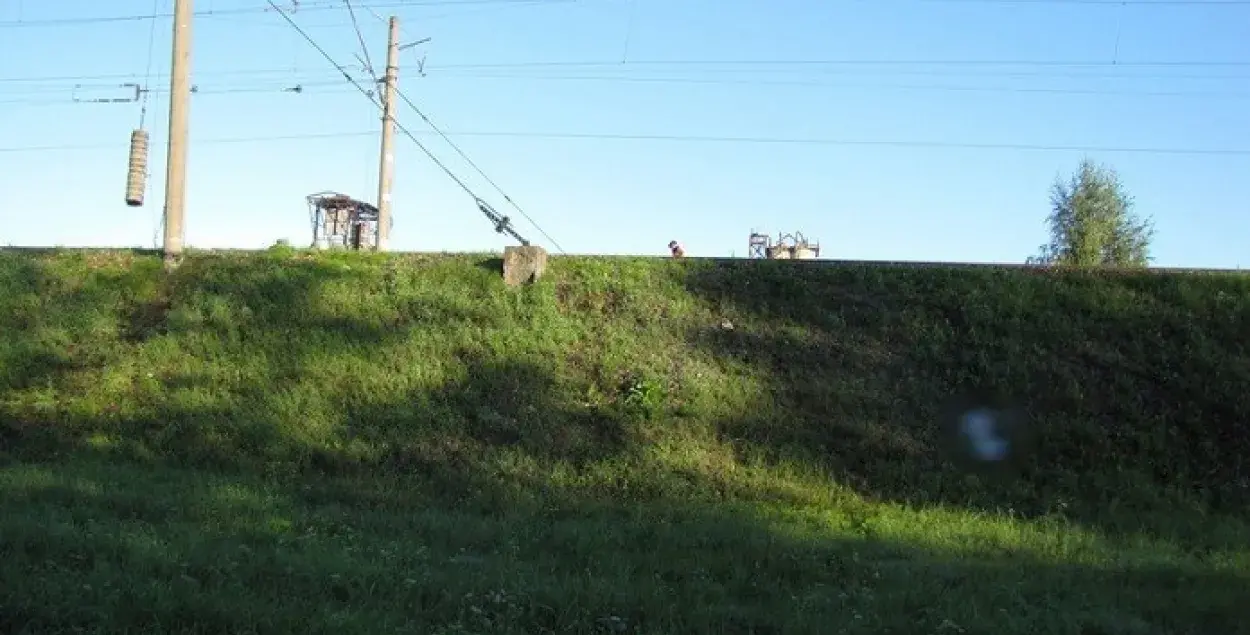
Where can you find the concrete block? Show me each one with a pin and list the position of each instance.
(523, 265)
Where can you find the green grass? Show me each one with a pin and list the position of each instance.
(345, 443)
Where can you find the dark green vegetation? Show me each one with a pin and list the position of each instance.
(287, 443)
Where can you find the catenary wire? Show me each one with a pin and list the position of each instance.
(158, 223)
(722, 139)
(325, 5)
(372, 98)
(834, 84)
(147, 74)
(305, 7)
(833, 62)
(360, 37)
(298, 85)
(1112, 72)
(479, 170)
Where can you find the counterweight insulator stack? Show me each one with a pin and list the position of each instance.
(136, 177)
(503, 224)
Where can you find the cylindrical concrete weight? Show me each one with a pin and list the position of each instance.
(136, 177)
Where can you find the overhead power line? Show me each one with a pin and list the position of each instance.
(887, 86)
(360, 37)
(147, 76)
(813, 63)
(502, 223)
(474, 165)
(305, 83)
(326, 5)
(308, 6)
(305, 6)
(619, 69)
(69, 147)
(770, 73)
(710, 139)
(209, 73)
(42, 96)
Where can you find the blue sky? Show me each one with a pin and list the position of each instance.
(945, 153)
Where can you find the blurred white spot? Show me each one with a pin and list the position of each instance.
(978, 427)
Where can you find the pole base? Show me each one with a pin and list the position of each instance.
(523, 265)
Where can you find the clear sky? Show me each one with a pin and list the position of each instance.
(885, 129)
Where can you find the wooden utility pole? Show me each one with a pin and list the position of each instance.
(179, 111)
(386, 168)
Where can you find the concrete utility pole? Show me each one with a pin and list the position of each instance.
(386, 169)
(179, 111)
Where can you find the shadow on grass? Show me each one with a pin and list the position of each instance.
(1134, 384)
(41, 314)
(282, 364)
(493, 265)
(260, 484)
(92, 546)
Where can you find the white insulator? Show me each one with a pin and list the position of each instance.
(137, 175)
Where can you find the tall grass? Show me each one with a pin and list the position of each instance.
(290, 441)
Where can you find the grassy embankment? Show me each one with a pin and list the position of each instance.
(354, 444)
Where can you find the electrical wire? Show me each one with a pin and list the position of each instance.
(67, 95)
(474, 165)
(1111, 71)
(370, 96)
(364, 48)
(158, 220)
(147, 74)
(332, 87)
(198, 73)
(209, 141)
(324, 88)
(501, 224)
(629, 30)
(811, 63)
(817, 84)
(48, 95)
(424, 18)
(325, 5)
(741, 140)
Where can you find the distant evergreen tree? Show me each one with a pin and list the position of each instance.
(1092, 223)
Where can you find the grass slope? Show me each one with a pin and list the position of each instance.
(288, 442)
